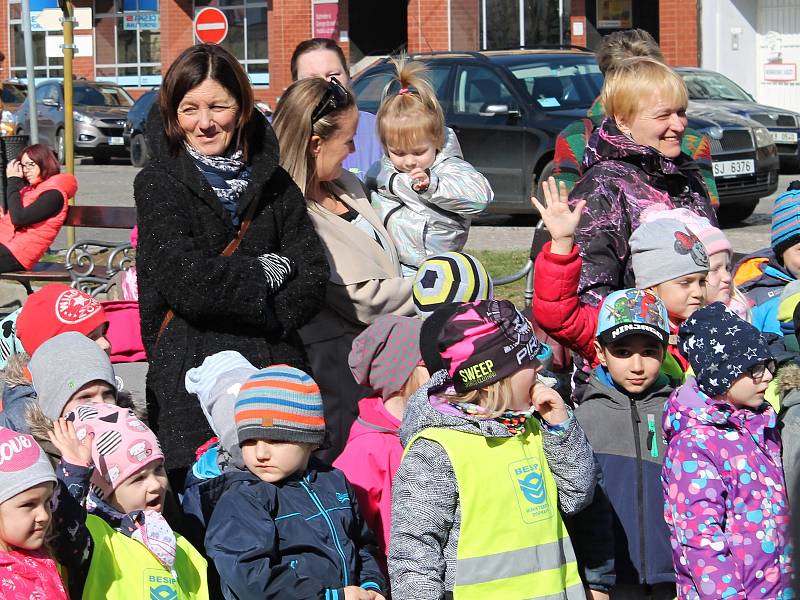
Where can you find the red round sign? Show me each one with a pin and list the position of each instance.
(210, 25)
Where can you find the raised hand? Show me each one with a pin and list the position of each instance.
(560, 220)
(14, 169)
(73, 451)
(549, 403)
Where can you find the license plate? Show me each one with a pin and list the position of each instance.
(733, 168)
(789, 137)
(116, 141)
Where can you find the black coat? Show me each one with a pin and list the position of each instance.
(220, 303)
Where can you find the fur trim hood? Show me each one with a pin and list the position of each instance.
(15, 372)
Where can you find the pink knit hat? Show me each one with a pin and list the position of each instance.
(122, 444)
(712, 237)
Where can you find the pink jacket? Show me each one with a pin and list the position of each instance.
(29, 575)
(369, 460)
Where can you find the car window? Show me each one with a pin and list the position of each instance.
(12, 94)
(48, 91)
(476, 88)
(555, 85)
(712, 86)
(369, 88)
(101, 95)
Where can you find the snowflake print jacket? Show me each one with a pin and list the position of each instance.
(726, 502)
(29, 575)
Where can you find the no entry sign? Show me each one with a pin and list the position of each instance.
(210, 25)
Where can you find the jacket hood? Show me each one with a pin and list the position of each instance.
(789, 384)
(689, 407)
(263, 151)
(426, 410)
(602, 389)
(372, 417)
(765, 263)
(451, 147)
(607, 142)
(14, 374)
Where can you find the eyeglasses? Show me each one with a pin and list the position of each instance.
(28, 165)
(336, 96)
(757, 371)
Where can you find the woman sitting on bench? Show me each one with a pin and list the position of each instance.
(36, 207)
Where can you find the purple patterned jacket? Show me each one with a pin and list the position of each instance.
(726, 503)
(621, 180)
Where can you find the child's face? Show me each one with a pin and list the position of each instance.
(791, 260)
(683, 295)
(144, 490)
(420, 156)
(94, 392)
(748, 391)
(634, 362)
(274, 461)
(98, 336)
(718, 285)
(24, 518)
(522, 383)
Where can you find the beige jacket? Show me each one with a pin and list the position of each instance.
(366, 280)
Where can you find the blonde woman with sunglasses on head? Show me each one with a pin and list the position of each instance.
(315, 122)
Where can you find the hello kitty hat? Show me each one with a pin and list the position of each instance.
(122, 444)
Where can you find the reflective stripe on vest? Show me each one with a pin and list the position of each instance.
(512, 542)
(124, 569)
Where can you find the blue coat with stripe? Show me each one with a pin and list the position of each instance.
(302, 538)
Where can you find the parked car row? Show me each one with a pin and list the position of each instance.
(507, 108)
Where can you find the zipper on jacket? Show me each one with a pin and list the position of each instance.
(652, 442)
(315, 499)
(635, 421)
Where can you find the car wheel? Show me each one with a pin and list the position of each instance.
(140, 154)
(101, 159)
(728, 215)
(61, 152)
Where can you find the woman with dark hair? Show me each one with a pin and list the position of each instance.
(36, 207)
(215, 178)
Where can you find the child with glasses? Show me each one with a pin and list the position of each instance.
(427, 194)
(726, 501)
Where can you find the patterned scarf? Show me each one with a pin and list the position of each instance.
(513, 420)
(228, 176)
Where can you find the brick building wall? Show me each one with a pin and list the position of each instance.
(465, 25)
(428, 25)
(678, 32)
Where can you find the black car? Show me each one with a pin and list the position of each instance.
(134, 132)
(711, 89)
(508, 107)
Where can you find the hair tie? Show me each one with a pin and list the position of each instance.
(407, 91)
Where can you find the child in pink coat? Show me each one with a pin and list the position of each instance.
(385, 357)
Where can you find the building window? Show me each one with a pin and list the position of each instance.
(127, 42)
(247, 34)
(520, 23)
(43, 66)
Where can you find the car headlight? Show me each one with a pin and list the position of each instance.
(715, 132)
(763, 137)
(82, 118)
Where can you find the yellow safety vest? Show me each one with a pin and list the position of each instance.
(512, 542)
(124, 569)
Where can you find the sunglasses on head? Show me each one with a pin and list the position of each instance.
(757, 371)
(336, 96)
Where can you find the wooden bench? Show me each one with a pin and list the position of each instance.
(81, 265)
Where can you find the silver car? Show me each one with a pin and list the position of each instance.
(99, 111)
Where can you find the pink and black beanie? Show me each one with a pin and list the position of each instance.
(23, 464)
(122, 444)
(483, 342)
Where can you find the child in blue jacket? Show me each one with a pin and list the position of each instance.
(287, 526)
(761, 276)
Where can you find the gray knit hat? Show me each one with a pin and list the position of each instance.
(63, 365)
(280, 403)
(23, 464)
(217, 382)
(665, 249)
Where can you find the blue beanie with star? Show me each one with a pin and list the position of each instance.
(720, 346)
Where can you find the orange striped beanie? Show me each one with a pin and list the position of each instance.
(279, 403)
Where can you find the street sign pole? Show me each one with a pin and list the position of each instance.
(69, 124)
(29, 74)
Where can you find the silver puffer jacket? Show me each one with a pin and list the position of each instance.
(437, 220)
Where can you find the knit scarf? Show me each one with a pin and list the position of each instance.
(513, 420)
(228, 176)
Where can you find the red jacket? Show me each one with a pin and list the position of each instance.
(560, 313)
(26, 574)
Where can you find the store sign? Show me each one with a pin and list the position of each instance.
(780, 72)
(53, 45)
(614, 14)
(49, 19)
(142, 21)
(324, 19)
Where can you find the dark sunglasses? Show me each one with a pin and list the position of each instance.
(336, 96)
(757, 371)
